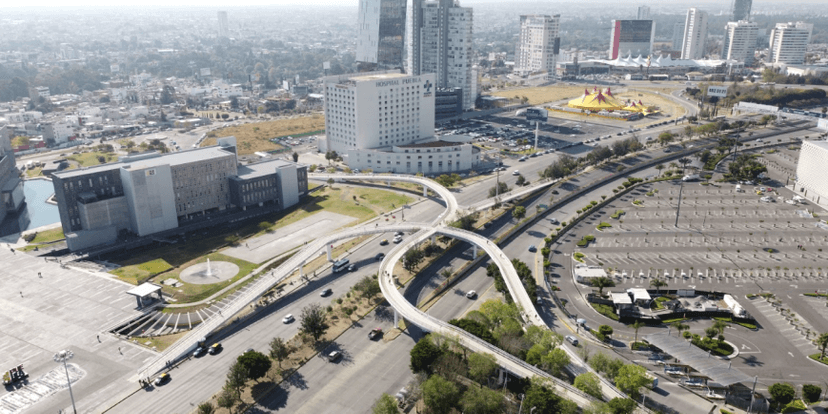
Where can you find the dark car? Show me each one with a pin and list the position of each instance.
(326, 292)
(199, 351)
(352, 267)
(375, 333)
(379, 256)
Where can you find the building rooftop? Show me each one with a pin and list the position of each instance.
(378, 76)
(821, 144)
(432, 144)
(260, 169)
(172, 159)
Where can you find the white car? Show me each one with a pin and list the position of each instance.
(288, 318)
(515, 172)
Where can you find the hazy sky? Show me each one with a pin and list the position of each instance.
(237, 3)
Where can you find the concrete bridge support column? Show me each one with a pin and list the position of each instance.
(475, 252)
(425, 191)
(330, 252)
(396, 319)
(434, 239)
(302, 270)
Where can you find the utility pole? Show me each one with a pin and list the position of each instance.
(678, 207)
(64, 356)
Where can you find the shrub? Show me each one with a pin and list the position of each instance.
(811, 392)
(686, 335)
(794, 406)
(782, 393)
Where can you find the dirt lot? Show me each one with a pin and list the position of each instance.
(543, 94)
(256, 137)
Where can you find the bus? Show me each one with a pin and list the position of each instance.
(340, 265)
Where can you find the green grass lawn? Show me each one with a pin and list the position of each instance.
(658, 302)
(716, 347)
(89, 159)
(139, 273)
(48, 236)
(728, 320)
(605, 310)
(617, 214)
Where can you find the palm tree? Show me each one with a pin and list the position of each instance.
(680, 327)
(684, 161)
(673, 166)
(636, 325)
(659, 167)
(719, 326)
(658, 283)
(822, 341)
(601, 283)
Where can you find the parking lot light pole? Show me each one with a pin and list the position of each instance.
(64, 356)
(678, 206)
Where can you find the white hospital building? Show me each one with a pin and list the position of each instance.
(385, 121)
(811, 181)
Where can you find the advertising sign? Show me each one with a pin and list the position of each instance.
(718, 91)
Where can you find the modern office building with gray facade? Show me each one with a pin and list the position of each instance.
(740, 10)
(151, 193)
(380, 41)
(11, 186)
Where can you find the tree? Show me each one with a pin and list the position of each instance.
(555, 361)
(385, 404)
(719, 326)
(227, 398)
(521, 180)
(368, 286)
(680, 327)
(423, 354)
(665, 138)
(331, 182)
(683, 161)
(621, 406)
(206, 408)
(589, 383)
(519, 212)
(440, 395)
(636, 325)
(481, 367)
(482, 401)
(503, 188)
(280, 350)
(236, 378)
(605, 330)
(658, 284)
(475, 328)
(295, 156)
(711, 332)
(331, 156)
(631, 378)
(412, 258)
(234, 102)
(659, 167)
(822, 341)
(265, 226)
(601, 283)
(466, 222)
(255, 363)
(542, 398)
(782, 393)
(313, 321)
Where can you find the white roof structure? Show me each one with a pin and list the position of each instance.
(621, 298)
(144, 290)
(639, 294)
(662, 62)
(584, 272)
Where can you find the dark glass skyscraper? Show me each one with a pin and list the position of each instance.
(740, 10)
(381, 40)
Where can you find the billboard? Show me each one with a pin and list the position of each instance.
(537, 114)
(718, 91)
(205, 71)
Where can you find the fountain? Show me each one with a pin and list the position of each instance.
(209, 272)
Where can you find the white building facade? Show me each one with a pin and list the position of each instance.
(788, 42)
(378, 109)
(440, 42)
(740, 41)
(695, 34)
(539, 44)
(429, 158)
(811, 181)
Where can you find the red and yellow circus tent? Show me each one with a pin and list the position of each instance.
(597, 101)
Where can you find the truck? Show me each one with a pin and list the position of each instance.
(14, 375)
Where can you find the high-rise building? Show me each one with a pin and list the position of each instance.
(439, 41)
(788, 42)
(381, 33)
(740, 10)
(223, 27)
(678, 35)
(740, 41)
(539, 44)
(695, 34)
(378, 109)
(643, 13)
(631, 37)
(11, 186)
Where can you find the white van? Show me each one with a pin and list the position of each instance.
(739, 188)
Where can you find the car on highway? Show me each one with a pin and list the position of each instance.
(553, 220)
(215, 348)
(532, 248)
(333, 356)
(522, 159)
(379, 256)
(383, 242)
(572, 340)
(352, 267)
(288, 318)
(162, 379)
(199, 351)
(471, 294)
(515, 172)
(397, 239)
(326, 292)
(375, 333)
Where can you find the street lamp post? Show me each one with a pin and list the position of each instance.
(64, 356)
